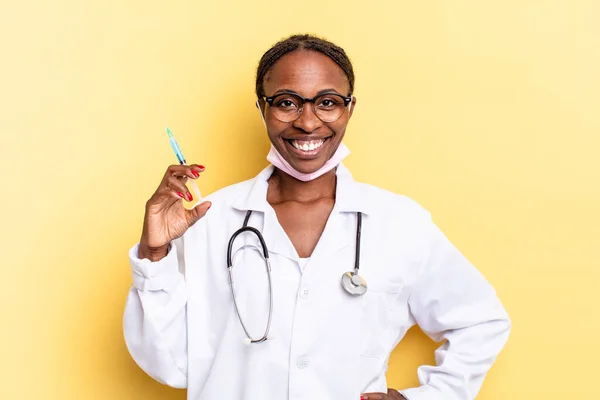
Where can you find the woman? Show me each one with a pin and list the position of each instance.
(326, 338)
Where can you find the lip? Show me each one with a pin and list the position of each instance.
(306, 155)
(307, 138)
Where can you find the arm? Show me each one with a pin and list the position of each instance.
(155, 321)
(452, 301)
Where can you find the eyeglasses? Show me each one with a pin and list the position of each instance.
(288, 106)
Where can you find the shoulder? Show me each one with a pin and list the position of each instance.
(399, 229)
(385, 204)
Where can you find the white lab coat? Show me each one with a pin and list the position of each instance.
(181, 327)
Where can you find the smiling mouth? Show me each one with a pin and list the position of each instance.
(307, 147)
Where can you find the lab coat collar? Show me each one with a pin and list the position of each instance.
(348, 194)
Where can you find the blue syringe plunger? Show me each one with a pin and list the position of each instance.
(175, 147)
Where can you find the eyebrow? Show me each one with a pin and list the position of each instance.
(320, 92)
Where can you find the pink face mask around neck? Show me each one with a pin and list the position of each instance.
(275, 158)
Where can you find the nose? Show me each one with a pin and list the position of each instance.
(308, 120)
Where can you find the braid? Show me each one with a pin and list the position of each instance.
(298, 42)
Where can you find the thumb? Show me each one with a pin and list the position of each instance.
(194, 214)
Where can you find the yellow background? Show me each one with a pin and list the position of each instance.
(487, 113)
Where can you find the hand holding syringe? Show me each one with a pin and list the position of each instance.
(166, 218)
(182, 161)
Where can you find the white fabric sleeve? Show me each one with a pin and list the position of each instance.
(452, 301)
(155, 320)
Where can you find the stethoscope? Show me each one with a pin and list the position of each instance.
(352, 283)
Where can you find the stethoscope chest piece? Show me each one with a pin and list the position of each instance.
(354, 284)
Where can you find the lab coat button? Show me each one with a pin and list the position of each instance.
(302, 362)
(304, 293)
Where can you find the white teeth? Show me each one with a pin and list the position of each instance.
(307, 145)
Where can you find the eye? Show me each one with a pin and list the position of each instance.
(285, 103)
(329, 102)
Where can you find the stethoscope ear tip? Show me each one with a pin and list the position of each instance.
(246, 341)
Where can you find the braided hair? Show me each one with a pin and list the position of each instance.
(300, 42)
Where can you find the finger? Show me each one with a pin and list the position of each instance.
(163, 198)
(179, 188)
(169, 194)
(197, 212)
(197, 169)
(181, 170)
(176, 183)
(193, 171)
(182, 179)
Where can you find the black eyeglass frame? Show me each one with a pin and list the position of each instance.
(270, 99)
(347, 100)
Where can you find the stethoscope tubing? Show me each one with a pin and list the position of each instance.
(265, 253)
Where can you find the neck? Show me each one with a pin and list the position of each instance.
(283, 187)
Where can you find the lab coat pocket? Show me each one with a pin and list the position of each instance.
(378, 305)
